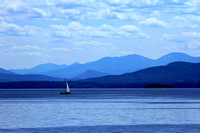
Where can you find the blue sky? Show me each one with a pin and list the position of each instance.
(68, 31)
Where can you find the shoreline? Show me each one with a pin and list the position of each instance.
(78, 84)
(113, 128)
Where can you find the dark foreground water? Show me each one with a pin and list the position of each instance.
(100, 110)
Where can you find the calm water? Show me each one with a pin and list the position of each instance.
(89, 107)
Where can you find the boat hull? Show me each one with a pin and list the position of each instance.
(65, 92)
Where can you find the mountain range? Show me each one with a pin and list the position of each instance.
(8, 76)
(39, 69)
(106, 65)
(173, 73)
(28, 77)
(176, 74)
(90, 74)
(3, 71)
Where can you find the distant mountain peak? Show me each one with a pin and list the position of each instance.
(39, 69)
(5, 71)
(173, 72)
(111, 65)
(176, 54)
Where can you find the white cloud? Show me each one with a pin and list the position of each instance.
(91, 9)
(182, 25)
(130, 28)
(154, 22)
(2, 44)
(10, 28)
(60, 49)
(173, 38)
(131, 31)
(96, 25)
(14, 5)
(70, 11)
(25, 47)
(188, 39)
(88, 9)
(136, 3)
(91, 43)
(31, 54)
(75, 29)
(25, 50)
(43, 13)
(15, 30)
(94, 46)
(193, 44)
(175, 1)
(194, 18)
(4, 41)
(192, 3)
(106, 27)
(187, 21)
(191, 34)
(180, 18)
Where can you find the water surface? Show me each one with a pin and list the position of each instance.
(33, 108)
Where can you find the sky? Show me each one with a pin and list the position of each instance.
(34, 32)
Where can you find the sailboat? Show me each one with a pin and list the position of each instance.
(67, 90)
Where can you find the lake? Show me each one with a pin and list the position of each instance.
(43, 108)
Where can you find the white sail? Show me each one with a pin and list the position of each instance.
(67, 87)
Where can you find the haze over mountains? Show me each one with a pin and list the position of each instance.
(3, 71)
(106, 66)
(28, 77)
(171, 73)
(90, 74)
(39, 69)
(176, 74)
(8, 76)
